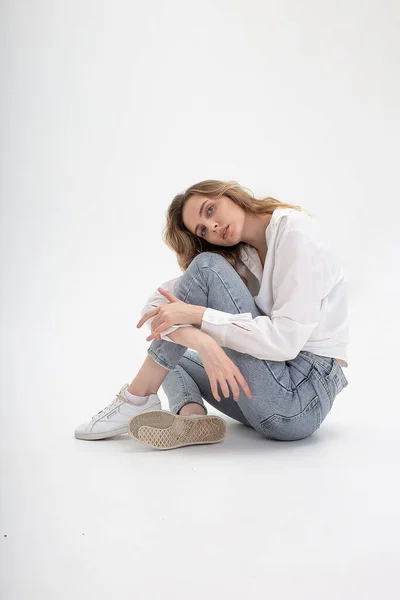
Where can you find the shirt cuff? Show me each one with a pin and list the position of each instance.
(216, 323)
(164, 334)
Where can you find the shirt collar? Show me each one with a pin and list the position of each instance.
(249, 254)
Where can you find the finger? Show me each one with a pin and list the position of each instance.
(151, 337)
(244, 385)
(166, 292)
(146, 316)
(169, 295)
(235, 388)
(224, 387)
(214, 390)
(156, 332)
(157, 322)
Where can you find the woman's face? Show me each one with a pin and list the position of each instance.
(215, 216)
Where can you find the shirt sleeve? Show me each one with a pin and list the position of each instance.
(299, 284)
(156, 299)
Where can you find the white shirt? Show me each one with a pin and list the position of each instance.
(302, 290)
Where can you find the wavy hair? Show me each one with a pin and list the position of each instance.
(187, 245)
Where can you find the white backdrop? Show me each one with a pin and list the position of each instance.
(110, 108)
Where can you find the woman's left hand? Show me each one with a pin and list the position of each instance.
(166, 315)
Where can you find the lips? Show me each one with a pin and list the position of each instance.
(224, 233)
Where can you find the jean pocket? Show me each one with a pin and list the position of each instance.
(324, 364)
(331, 376)
(296, 427)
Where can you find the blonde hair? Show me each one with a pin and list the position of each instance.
(187, 245)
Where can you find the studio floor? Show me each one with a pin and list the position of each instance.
(247, 517)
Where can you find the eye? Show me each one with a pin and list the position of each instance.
(211, 206)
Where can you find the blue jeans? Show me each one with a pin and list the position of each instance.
(290, 398)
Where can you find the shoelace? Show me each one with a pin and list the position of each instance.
(117, 400)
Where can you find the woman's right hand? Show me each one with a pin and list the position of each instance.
(221, 369)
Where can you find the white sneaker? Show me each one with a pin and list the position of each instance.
(114, 418)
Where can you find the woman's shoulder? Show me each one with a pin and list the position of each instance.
(302, 222)
(294, 217)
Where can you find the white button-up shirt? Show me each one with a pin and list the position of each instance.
(302, 291)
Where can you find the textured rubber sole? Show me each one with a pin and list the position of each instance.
(165, 430)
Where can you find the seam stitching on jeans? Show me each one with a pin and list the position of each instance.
(324, 385)
(277, 380)
(183, 388)
(186, 398)
(225, 286)
(155, 355)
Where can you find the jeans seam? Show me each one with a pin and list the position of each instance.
(224, 284)
(323, 367)
(310, 405)
(158, 359)
(277, 380)
(186, 398)
(324, 385)
(199, 364)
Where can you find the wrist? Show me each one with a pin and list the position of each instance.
(192, 337)
(202, 341)
(200, 310)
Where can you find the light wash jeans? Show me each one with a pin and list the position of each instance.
(290, 398)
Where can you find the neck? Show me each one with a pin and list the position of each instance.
(254, 231)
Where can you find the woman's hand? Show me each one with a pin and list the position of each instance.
(174, 313)
(221, 369)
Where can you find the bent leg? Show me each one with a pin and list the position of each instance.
(189, 382)
(285, 403)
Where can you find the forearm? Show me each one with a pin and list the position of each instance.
(190, 337)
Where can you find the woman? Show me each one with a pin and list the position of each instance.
(261, 310)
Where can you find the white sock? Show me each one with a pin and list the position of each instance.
(139, 400)
(193, 415)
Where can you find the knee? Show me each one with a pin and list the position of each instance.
(207, 258)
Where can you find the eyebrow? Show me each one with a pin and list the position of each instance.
(200, 211)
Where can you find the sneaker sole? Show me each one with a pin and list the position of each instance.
(109, 434)
(165, 430)
(100, 436)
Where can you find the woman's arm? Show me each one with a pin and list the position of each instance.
(157, 299)
(301, 279)
(191, 337)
